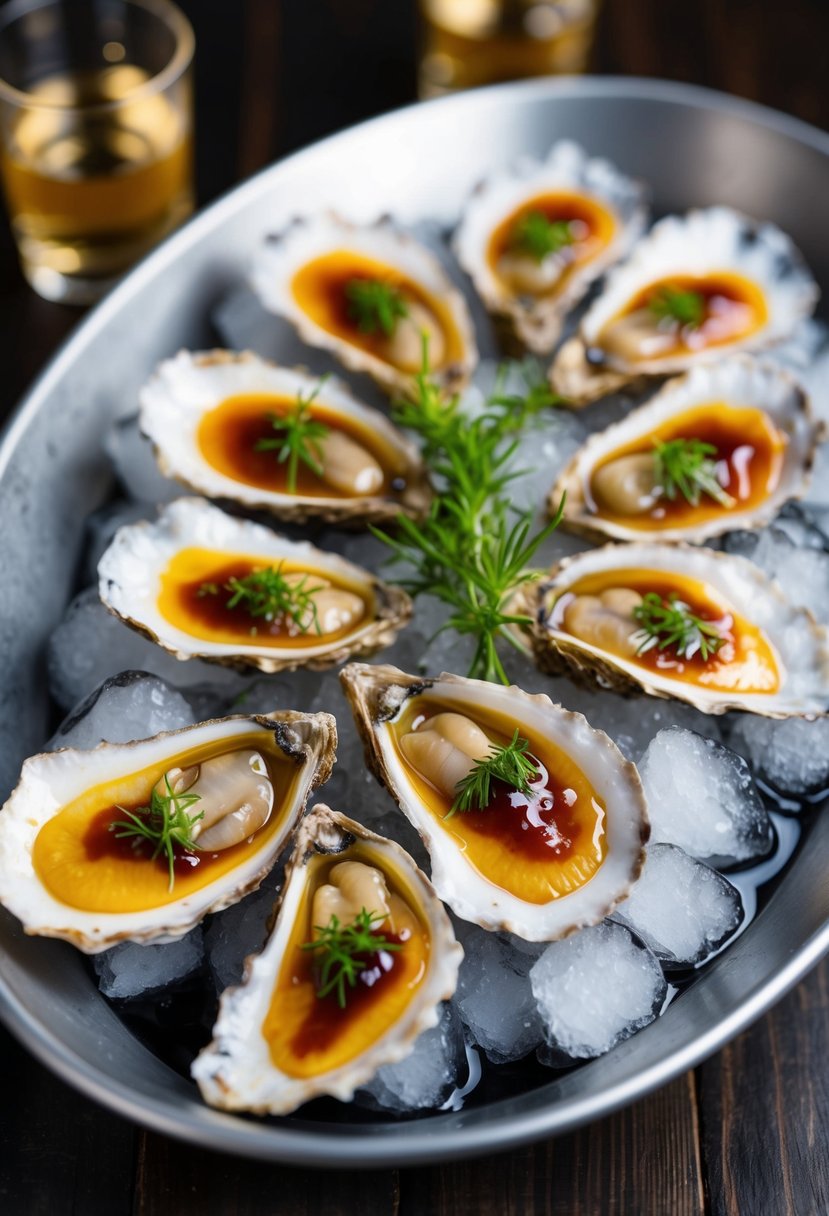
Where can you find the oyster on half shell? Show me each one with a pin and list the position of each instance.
(677, 621)
(534, 239)
(539, 863)
(211, 416)
(177, 581)
(628, 482)
(281, 1038)
(368, 295)
(67, 871)
(695, 288)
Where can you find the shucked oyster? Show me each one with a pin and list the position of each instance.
(695, 288)
(539, 858)
(368, 295)
(206, 585)
(74, 863)
(302, 1023)
(534, 239)
(218, 422)
(674, 621)
(722, 447)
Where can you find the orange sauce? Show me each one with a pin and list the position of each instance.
(744, 663)
(319, 289)
(749, 451)
(538, 847)
(227, 437)
(308, 1035)
(595, 226)
(81, 863)
(207, 616)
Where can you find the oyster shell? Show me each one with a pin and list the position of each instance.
(530, 291)
(205, 414)
(276, 1044)
(756, 418)
(171, 581)
(305, 274)
(695, 288)
(515, 865)
(64, 873)
(773, 659)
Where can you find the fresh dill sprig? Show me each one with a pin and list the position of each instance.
(537, 398)
(341, 952)
(508, 763)
(670, 624)
(268, 593)
(165, 823)
(298, 438)
(687, 308)
(685, 466)
(374, 305)
(473, 550)
(539, 236)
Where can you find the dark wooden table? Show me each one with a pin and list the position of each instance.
(748, 1131)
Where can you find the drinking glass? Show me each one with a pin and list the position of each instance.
(96, 134)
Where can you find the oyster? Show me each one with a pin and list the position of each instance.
(210, 415)
(206, 585)
(69, 870)
(280, 1038)
(695, 288)
(650, 474)
(540, 861)
(368, 294)
(675, 621)
(534, 239)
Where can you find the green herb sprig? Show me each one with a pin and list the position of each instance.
(165, 823)
(508, 763)
(269, 594)
(670, 624)
(687, 308)
(341, 952)
(686, 467)
(539, 236)
(298, 438)
(375, 306)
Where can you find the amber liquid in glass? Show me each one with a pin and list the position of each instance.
(90, 190)
(467, 43)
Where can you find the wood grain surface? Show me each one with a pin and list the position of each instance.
(747, 1134)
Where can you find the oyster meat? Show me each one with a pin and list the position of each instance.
(534, 239)
(301, 1024)
(540, 860)
(217, 423)
(695, 288)
(368, 295)
(74, 863)
(677, 621)
(206, 585)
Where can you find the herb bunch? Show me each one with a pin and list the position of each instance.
(297, 438)
(539, 236)
(686, 308)
(375, 306)
(670, 624)
(341, 952)
(507, 763)
(270, 594)
(473, 550)
(165, 823)
(687, 467)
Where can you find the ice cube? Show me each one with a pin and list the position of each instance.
(494, 996)
(680, 907)
(803, 573)
(131, 705)
(427, 1077)
(240, 930)
(595, 989)
(130, 970)
(135, 464)
(701, 796)
(792, 756)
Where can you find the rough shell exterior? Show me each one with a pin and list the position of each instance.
(50, 781)
(236, 1072)
(183, 389)
(802, 646)
(376, 695)
(130, 572)
(738, 381)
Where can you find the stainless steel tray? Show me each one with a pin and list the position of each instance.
(694, 147)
